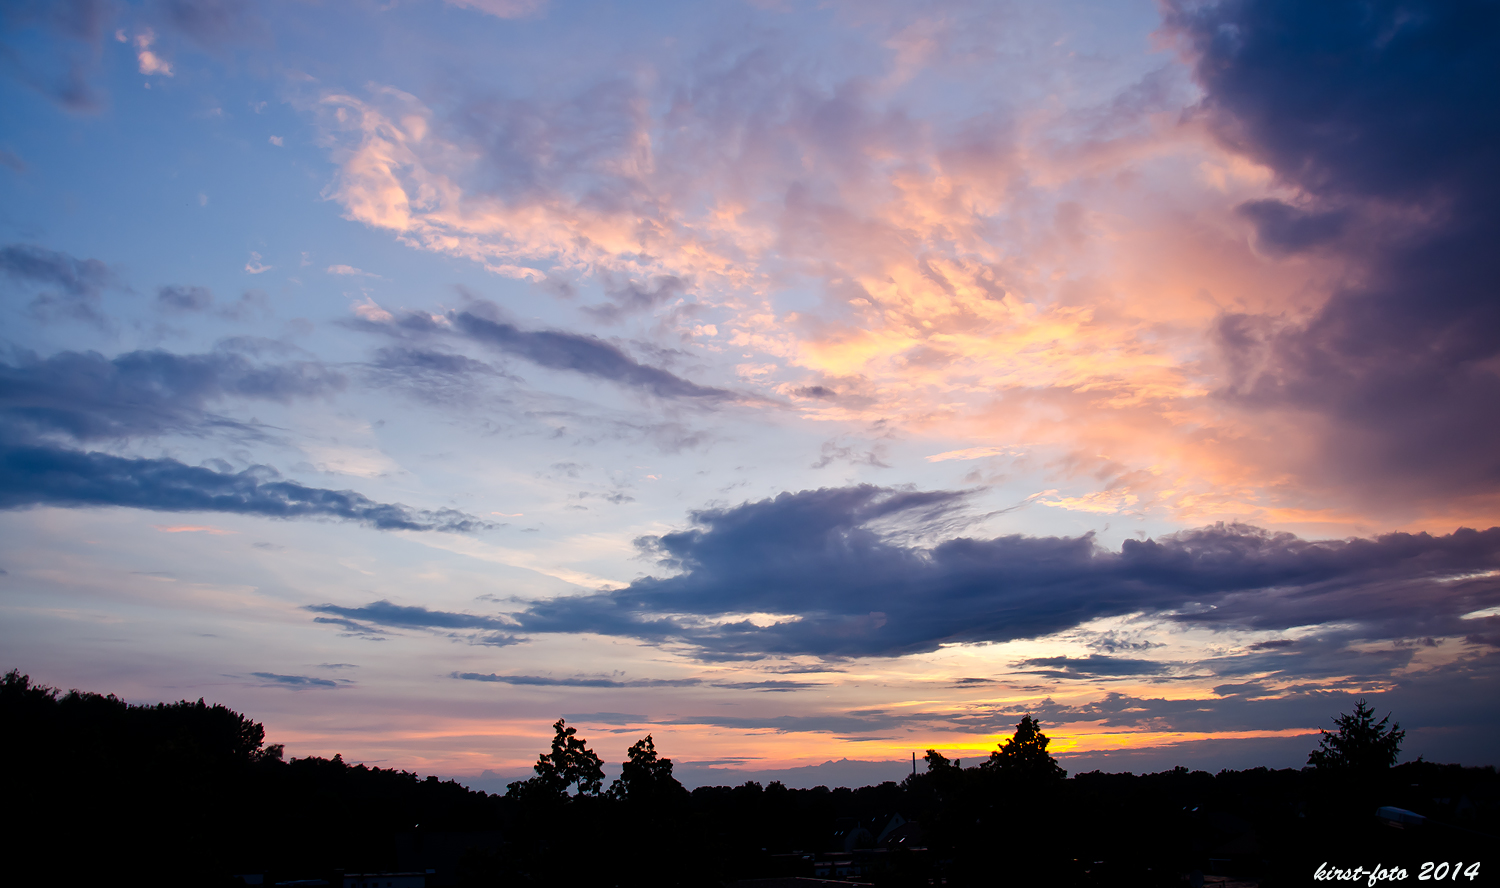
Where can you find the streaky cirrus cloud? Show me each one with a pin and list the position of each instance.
(770, 685)
(545, 681)
(367, 620)
(583, 354)
(553, 349)
(294, 681)
(53, 476)
(89, 397)
(825, 563)
(86, 397)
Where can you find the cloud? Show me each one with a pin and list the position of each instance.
(833, 566)
(193, 528)
(350, 270)
(506, 9)
(1282, 229)
(1093, 665)
(295, 681)
(384, 613)
(70, 287)
(547, 681)
(51, 476)
(61, 63)
(77, 277)
(215, 23)
(366, 620)
(87, 396)
(587, 355)
(1053, 274)
(772, 685)
(540, 681)
(184, 299)
(150, 62)
(635, 297)
(1374, 115)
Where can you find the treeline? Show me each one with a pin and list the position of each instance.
(189, 793)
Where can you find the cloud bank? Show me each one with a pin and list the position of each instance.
(825, 562)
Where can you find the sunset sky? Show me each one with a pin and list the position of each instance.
(794, 382)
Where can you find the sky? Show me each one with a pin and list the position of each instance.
(803, 384)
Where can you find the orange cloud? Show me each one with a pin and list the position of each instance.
(192, 528)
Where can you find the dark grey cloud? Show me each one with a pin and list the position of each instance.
(50, 268)
(87, 396)
(52, 476)
(771, 685)
(1094, 666)
(184, 299)
(214, 24)
(385, 613)
(544, 681)
(777, 686)
(588, 355)
(351, 628)
(52, 46)
(1282, 228)
(1381, 116)
(295, 681)
(67, 287)
(368, 620)
(836, 563)
(858, 721)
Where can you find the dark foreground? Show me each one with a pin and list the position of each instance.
(100, 792)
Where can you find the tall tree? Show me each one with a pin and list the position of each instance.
(1361, 743)
(1025, 754)
(645, 776)
(570, 762)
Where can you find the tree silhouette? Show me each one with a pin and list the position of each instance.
(1361, 744)
(646, 777)
(1025, 754)
(570, 762)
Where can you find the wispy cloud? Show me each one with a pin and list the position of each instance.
(51, 476)
(294, 681)
(350, 271)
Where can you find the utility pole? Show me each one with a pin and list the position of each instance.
(914, 764)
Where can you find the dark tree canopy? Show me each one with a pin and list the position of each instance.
(1025, 754)
(570, 762)
(1361, 743)
(646, 777)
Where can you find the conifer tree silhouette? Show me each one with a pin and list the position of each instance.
(1361, 743)
(1025, 754)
